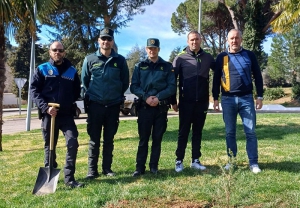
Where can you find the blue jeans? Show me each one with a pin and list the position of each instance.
(244, 106)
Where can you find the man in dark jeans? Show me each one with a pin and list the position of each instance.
(105, 78)
(57, 81)
(153, 81)
(192, 66)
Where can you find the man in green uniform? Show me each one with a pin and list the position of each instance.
(105, 78)
(153, 81)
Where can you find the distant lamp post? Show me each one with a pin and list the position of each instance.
(32, 65)
(200, 16)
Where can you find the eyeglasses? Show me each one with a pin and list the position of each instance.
(59, 50)
(106, 38)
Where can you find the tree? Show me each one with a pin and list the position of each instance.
(19, 60)
(277, 61)
(284, 61)
(78, 23)
(220, 16)
(253, 30)
(15, 13)
(215, 22)
(134, 56)
(288, 14)
(174, 53)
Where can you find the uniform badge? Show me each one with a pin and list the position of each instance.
(152, 42)
(50, 72)
(106, 31)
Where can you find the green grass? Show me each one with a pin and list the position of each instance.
(276, 186)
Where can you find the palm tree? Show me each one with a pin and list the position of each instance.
(289, 11)
(14, 13)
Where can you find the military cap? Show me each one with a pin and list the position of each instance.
(153, 42)
(106, 32)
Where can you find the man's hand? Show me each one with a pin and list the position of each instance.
(52, 111)
(216, 105)
(259, 104)
(152, 101)
(175, 107)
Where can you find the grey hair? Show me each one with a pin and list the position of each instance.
(240, 33)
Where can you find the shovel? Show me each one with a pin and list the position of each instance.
(47, 179)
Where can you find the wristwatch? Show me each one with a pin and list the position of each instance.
(260, 98)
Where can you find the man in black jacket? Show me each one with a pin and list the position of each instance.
(57, 81)
(192, 66)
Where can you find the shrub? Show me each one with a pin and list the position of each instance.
(296, 90)
(273, 93)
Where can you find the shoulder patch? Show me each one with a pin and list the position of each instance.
(144, 67)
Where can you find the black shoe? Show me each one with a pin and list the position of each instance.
(137, 173)
(92, 176)
(75, 184)
(154, 170)
(108, 172)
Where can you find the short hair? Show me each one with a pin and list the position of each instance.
(56, 41)
(240, 33)
(193, 32)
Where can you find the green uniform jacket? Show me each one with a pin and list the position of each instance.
(105, 79)
(153, 79)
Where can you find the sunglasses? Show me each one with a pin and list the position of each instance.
(106, 38)
(59, 50)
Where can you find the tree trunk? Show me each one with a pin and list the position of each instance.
(231, 12)
(2, 78)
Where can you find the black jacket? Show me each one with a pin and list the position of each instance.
(56, 85)
(193, 71)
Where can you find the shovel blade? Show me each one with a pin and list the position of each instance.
(46, 181)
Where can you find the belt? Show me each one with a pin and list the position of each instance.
(105, 104)
(160, 103)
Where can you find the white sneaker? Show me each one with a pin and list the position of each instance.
(227, 166)
(197, 165)
(255, 168)
(178, 166)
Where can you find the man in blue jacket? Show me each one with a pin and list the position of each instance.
(105, 78)
(57, 81)
(153, 81)
(234, 71)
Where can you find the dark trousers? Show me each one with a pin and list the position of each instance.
(99, 117)
(66, 124)
(191, 114)
(151, 120)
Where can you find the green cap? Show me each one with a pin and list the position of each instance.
(106, 32)
(153, 42)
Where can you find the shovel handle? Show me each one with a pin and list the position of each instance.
(55, 105)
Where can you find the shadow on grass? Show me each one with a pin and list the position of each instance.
(286, 166)
(265, 132)
(125, 177)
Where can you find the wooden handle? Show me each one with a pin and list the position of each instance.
(56, 105)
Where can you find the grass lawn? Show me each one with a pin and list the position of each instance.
(276, 186)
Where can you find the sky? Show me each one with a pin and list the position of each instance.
(155, 22)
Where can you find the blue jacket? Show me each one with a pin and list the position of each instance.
(234, 72)
(51, 85)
